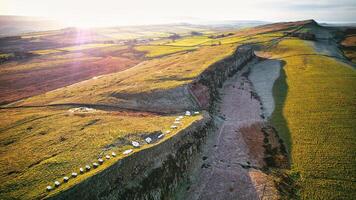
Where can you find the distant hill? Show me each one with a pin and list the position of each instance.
(231, 23)
(14, 25)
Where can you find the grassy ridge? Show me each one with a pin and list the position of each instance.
(41, 145)
(317, 118)
(166, 72)
(156, 74)
(161, 50)
(190, 41)
(73, 48)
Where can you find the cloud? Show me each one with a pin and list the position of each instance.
(332, 5)
(129, 11)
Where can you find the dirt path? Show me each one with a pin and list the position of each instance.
(234, 154)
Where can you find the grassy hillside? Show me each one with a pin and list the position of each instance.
(162, 50)
(156, 74)
(42, 144)
(316, 116)
(190, 41)
(56, 68)
(176, 64)
(73, 48)
(36, 149)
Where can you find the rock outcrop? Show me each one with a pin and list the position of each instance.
(205, 87)
(199, 94)
(157, 172)
(303, 36)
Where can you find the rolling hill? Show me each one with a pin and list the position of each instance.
(70, 97)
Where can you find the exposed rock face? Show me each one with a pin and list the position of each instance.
(165, 101)
(234, 158)
(214, 77)
(196, 95)
(303, 36)
(156, 172)
(153, 173)
(200, 94)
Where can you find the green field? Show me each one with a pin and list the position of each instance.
(190, 41)
(316, 116)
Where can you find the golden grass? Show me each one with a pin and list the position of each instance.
(244, 39)
(85, 46)
(190, 41)
(39, 34)
(46, 62)
(46, 51)
(315, 115)
(156, 74)
(41, 145)
(6, 55)
(108, 50)
(50, 60)
(161, 50)
(74, 48)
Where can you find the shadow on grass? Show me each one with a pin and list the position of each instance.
(280, 91)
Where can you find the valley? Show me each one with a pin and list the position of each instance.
(179, 112)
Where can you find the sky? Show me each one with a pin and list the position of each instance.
(132, 12)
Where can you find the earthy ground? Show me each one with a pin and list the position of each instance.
(42, 74)
(234, 155)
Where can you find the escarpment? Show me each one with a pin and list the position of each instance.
(151, 173)
(205, 87)
(158, 171)
(199, 94)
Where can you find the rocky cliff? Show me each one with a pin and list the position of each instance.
(205, 87)
(198, 94)
(156, 172)
(152, 173)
